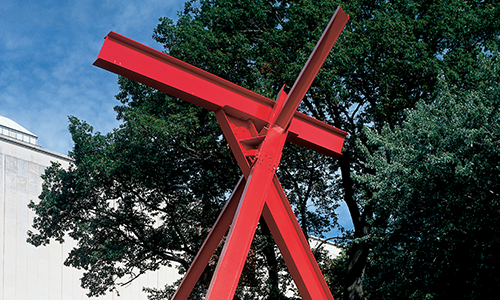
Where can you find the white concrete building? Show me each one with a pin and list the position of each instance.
(28, 272)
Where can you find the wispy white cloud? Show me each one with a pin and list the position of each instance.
(46, 54)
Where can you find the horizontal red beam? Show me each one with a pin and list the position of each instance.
(174, 77)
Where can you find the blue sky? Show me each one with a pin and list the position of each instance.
(46, 53)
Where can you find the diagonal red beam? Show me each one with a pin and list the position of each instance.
(282, 222)
(299, 89)
(210, 244)
(241, 234)
(138, 62)
(293, 245)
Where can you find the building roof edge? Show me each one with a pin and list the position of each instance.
(6, 122)
(35, 148)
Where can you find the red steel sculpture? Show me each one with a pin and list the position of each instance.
(256, 129)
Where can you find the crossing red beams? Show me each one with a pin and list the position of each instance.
(256, 129)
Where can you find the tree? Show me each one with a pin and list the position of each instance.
(138, 197)
(388, 58)
(436, 189)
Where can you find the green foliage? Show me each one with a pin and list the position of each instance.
(388, 58)
(140, 197)
(392, 51)
(307, 177)
(436, 189)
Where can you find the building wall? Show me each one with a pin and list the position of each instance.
(28, 272)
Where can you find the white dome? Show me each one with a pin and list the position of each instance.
(14, 130)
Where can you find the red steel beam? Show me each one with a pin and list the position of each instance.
(281, 221)
(311, 68)
(138, 62)
(210, 244)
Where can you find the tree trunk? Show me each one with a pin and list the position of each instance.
(358, 253)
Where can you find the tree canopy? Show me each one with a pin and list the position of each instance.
(436, 189)
(136, 198)
(145, 194)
